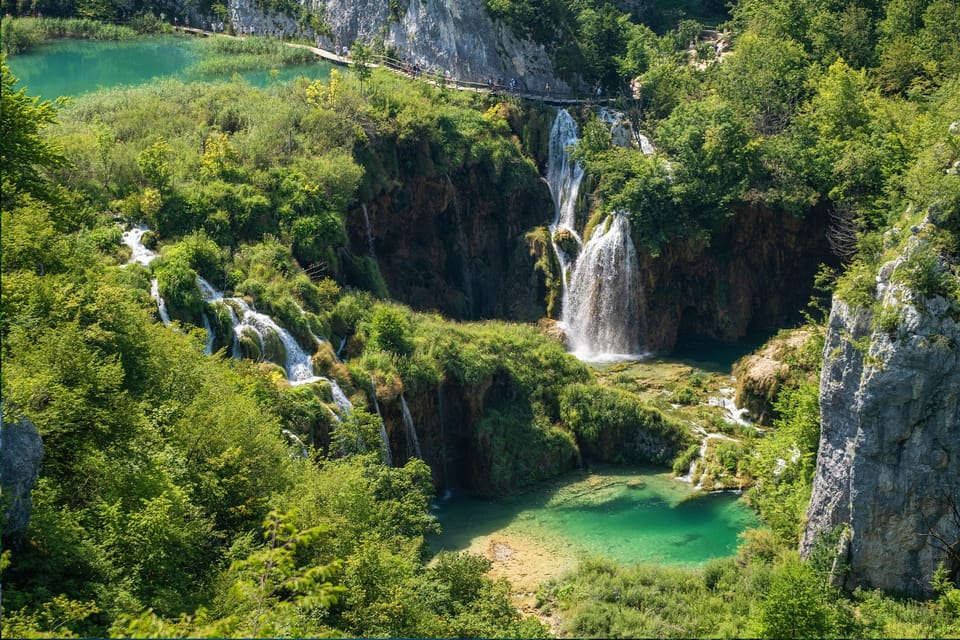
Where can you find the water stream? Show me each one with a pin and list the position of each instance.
(602, 313)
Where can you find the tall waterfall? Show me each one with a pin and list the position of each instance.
(366, 222)
(413, 443)
(564, 177)
(602, 290)
(602, 305)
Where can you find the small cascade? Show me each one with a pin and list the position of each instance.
(211, 335)
(161, 305)
(602, 303)
(731, 414)
(133, 238)
(295, 440)
(366, 222)
(413, 443)
(139, 254)
(387, 458)
(297, 362)
(343, 343)
(340, 398)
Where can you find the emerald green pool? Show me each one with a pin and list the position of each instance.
(75, 67)
(629, 515)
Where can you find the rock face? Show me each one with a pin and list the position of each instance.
(20, 452)
(888, 465)
(454, 245)
(736, 284)
(454, 35)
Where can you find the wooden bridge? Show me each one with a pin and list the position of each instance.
(555, 98)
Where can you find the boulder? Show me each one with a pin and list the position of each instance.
(20, 453)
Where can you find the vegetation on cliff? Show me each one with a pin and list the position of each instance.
(171, 502)
(175, 496)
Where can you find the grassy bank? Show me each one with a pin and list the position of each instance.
(21, 34)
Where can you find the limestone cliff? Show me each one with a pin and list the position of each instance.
(756, 273)
(454, 35)
(888, 465)
(454, 242)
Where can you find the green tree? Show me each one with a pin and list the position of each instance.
(24, 152)
(362, 57)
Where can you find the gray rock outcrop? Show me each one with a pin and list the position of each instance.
(20, 453)
(446, 35)
(888, 465)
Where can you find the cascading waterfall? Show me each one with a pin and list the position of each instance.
(387, 458)
(297, 362)
(139, 254)
(602, 290)
(413, 443)
(161, 305)
(603, 300)
(564, 176)
(133, 238)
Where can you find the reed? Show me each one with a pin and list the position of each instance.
(20, 34)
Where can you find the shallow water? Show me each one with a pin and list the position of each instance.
(75, 67)
(631, 516)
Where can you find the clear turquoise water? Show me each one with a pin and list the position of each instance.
(631, 516)
(75, 67)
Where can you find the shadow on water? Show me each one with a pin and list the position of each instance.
(716, 356)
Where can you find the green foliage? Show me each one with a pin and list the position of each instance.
(794, 605)
(613, 425)
(23, 150)
(785, 461)
(22, 34)
(224, 56)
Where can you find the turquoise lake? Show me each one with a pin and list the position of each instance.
(76, 67)
(633, 516)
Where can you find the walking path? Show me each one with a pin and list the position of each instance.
(399, 67)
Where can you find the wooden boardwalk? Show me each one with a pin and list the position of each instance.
(556, 99)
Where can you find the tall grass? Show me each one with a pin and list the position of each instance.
(20, 34)
(229, 55)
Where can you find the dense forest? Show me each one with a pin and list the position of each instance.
(190, 494)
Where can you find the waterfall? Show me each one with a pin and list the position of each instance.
(460, 249)
(366, 221)
(731, 414)
(387, 458)
(139, 254)
(603, 301)
(211, 335)
(297, 362)
(295, 440)
(602, 290)
(340, 398)
(161, 305)
(413, 443)
(133, 238)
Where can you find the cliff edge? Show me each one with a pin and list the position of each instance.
(888, 465)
